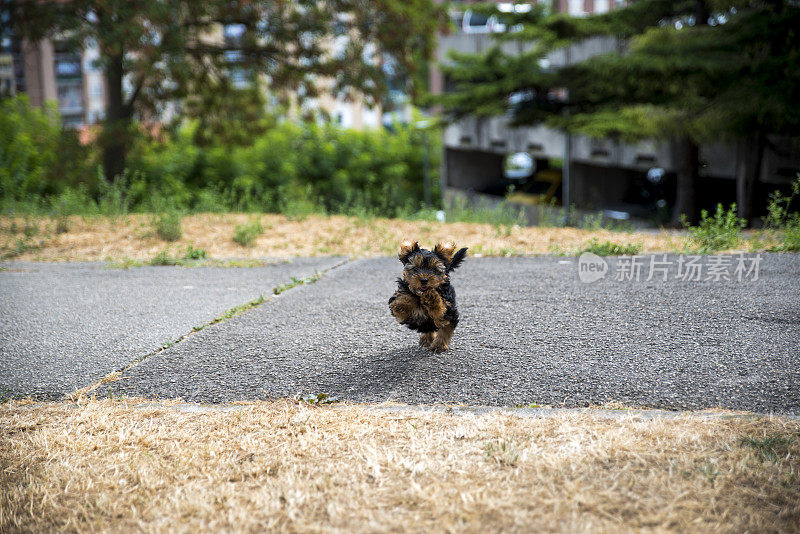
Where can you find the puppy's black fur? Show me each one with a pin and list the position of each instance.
(425, 300)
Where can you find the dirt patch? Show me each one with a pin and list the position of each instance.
(131, 237)
(108, 465)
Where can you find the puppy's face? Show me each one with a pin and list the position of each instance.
(423, 269)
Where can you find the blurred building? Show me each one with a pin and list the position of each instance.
(626, 181)
(50, 70)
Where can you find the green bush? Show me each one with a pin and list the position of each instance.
(164, 258)
(782, 222)
(195, 253)
(38, 158)
(168, 225)
(721, 231)
(607, 248)
(246, 234)
(290, 168)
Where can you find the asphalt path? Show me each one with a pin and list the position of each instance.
(63, 326)
(531, 333)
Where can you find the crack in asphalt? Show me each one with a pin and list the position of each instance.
(276, 292)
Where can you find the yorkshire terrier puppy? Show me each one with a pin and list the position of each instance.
(425, 301)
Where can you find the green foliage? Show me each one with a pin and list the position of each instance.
(296, 282)
(721, 231)
(155, 45)
(289, 168)
(769, 448)
(782, 222)
(316, 399)
(167, 225)
(195, 253)
(716, 69)
(246, 234)
(607, 248)
(164, 258)
(37, 158)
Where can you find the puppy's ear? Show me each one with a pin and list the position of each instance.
(407, 248)
(444, 251)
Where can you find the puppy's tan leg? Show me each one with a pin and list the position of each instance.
(403, 306)
(442, 339)
(426, 339)
(435, 307)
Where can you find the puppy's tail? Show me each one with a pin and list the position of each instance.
(458, 258)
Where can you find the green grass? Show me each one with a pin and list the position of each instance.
(192, 257)
(769, 448)
(781, 224)
(607, 248)
(720, 231)
(296, 282)
(246, 234)
(167, 225)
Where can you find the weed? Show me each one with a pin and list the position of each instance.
(195, 253)
(168, 225)
(722, 231)
(296, 282)
(781, 222)
(502, 452)
(770, 448)
(709, 471)
(316, 399)
(607, 248)
(30, 229)
(21, 246)
(62, 224)
(164, 258)
(246, 234)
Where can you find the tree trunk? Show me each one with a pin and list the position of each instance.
(116, 131)
(688, 156)
(748, 171)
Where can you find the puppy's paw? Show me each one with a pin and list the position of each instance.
(430, 298)
(438, 346)
(426, 339)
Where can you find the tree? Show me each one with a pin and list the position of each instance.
(689, 71)
(158, 51)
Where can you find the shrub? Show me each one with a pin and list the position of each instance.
(38, 158)
(607, 248)
(721, 231)
(164, 258)
(195, 253)
(246, 234)
(782, 222)
(168, 225)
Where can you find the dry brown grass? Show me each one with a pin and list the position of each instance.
(131, 237)
(108, 466)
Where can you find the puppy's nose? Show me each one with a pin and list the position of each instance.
(423, 281)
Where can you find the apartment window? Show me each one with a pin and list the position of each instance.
(576, 8)
(70, 97)
(96, 89)
(601, 6)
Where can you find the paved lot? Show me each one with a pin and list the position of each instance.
(63, 326)
(531, 332)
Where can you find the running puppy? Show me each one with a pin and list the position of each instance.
(425, 300)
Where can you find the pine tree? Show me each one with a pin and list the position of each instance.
(690, 71)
